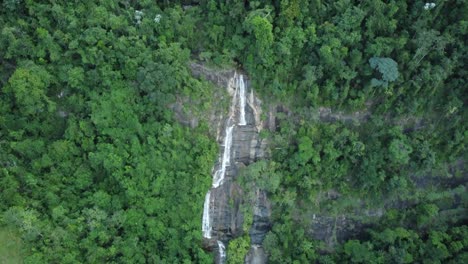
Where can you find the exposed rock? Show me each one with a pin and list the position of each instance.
(226, 216)
(272, 118)
(185, 117)
(219, 77)
(261, 218)
(247, 147)
(334, 229)
(62, 113)
(256, 255)
(449, 176)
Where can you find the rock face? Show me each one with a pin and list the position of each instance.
(334, 229)
(261, 219)
(226, 198)
(219, 77)
(256, 255)
(225, 211)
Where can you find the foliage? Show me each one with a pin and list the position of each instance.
(387, 67)
(94, 168)
(10, 249)
(91, 155)
(238, 249)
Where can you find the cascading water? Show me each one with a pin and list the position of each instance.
(237, 84)
(241, 87)
(221, 251)
(206, 221)
(219, 174)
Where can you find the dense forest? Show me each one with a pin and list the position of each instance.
(95, 168)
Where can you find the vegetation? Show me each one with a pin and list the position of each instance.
(94, 168)
(10, 251)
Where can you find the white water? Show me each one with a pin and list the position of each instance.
(222, 251)
(206, 222)
(237, 85)
(219, 174)
(241, 87)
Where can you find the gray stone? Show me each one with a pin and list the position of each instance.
(247, 147)
(256, 255)
(261, 218)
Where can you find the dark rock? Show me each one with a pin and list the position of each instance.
(334, 229)
(247, 147)
(218, 77)
(261, 218)
(226, 216)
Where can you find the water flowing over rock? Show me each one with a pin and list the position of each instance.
(256, 255)
(206, 221)
(237, 133)
(219, 174)
(242, 99)
(221, 252)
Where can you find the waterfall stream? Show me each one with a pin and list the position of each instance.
(237, 88)
(241, 87)
(206, 221)
(221, 251)
(219, 174)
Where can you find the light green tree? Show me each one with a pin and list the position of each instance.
(387, 67)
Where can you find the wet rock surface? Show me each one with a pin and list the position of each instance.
(334, 229)
(256, 255)
(225, 211)
(261, 218)
(247, 147)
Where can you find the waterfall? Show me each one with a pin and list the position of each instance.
(206, 222)
(222, 252)
(219, 174)
(236, 89)
(241, 87)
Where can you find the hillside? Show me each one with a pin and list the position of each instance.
(204, 131)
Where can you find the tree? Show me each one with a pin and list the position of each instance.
(427, 41)
(359, 252)
(399, 151)
(387, 67)
(25, 220)
(238, 249)
(262, 30)
(29, 85)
